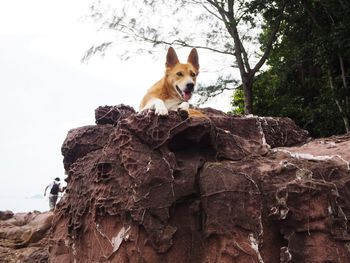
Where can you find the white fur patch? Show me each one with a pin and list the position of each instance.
(158, 105)
(184, 106)
(160, 108)
(172, 104)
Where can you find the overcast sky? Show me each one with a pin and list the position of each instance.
(45, 90)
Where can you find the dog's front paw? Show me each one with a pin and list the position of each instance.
(183, 110)
(184, 106)
(160, 109)
(183, 113)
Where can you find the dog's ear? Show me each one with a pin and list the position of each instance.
(171, 58)
(193, 58)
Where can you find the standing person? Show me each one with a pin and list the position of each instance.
(55, 187)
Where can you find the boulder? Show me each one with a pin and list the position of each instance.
(4, 215)
(24, 236)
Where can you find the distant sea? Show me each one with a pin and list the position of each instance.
(24, 204)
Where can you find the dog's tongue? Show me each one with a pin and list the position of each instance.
(186, 96)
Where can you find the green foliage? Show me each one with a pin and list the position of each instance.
(312, 39)
(314, 111)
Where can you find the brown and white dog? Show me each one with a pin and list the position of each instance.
(174, 90)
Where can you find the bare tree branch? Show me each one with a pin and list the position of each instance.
(179, 42)
(269, 42)
(345, 84)
(340, 108)
(246, 60)
(207, 9)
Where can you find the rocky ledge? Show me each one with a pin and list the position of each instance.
(143, 188)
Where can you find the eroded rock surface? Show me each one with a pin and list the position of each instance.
(143, 188)
(24, 237)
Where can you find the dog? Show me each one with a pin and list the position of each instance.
(175, 89)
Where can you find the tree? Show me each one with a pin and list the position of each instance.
(226, 27)
(309, 68)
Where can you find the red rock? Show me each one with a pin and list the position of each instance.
(143, 188)
(112, 114)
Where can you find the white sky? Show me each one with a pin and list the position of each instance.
(45, 90)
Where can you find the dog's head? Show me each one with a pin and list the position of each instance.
(181, 78)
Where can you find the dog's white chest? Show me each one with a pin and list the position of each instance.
(172, 104)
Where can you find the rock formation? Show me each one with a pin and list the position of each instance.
(143, 188)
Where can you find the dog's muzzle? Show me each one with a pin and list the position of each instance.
(185, 94)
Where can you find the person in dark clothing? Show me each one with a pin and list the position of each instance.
(55, 187)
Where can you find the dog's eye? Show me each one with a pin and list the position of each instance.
(193, 74)
(180, 74)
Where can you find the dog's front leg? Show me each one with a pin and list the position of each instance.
(184, 106)
(183, 109)
(158, 106)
